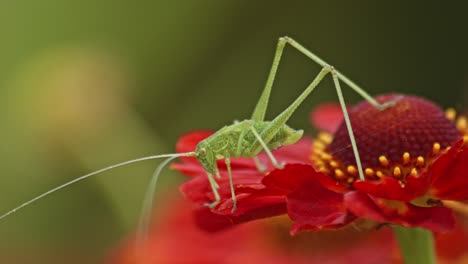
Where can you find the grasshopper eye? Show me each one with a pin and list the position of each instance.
(203, 151)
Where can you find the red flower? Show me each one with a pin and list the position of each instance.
(176, 239)
(452, 247)
(414, 155)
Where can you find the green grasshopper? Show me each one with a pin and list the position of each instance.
(249, 137)
(246, 138)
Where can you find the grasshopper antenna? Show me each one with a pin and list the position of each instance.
(171, 156)
(146, 211)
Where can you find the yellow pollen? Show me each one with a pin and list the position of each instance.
(379, 174)
(350, 180)
(317, 151)
(369, 172)
(414, 172)
(351, 170)
(339, 174)
(323, 169)
(436, 148)
(383, 160)
(325, 137)
(334, 164)
(319, 163)
(465, 140)
(326, 157)
(318, 145)
(420, 161)
(462, 123)
(406, 158)
(397, 172)
(451, 114)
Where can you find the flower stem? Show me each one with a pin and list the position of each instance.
(416, 245)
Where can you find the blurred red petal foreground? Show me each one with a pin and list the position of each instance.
(414, 157)
(176, 239)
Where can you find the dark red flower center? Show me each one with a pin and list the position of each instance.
(397, 141)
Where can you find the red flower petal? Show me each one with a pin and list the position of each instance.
(327, 117)
(293, 175)
(177, 240)
(450, 174)
(390, 188)
(453, 245)
(438, 219)
(199, 190)
(213, 222)
(313, 207)
(174, 238)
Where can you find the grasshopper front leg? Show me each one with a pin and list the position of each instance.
(214, 188)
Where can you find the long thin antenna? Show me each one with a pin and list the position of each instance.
(145, 215)
(187, 154)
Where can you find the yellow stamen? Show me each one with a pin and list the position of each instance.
(397, 172)
(334, 164)
(414, 172)
(420, 161)
(326, 157)
(369, 172)
(318, 145)
(462, 123)
(317, 151)
(323, 169)
(339, 174)
(351, 170)
(325, 137)
(436, 148)
(350, 180)
(451, 114)
(384, 161)
(406, 158)
(379, 174)
(319, 163)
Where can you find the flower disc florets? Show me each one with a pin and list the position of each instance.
(398, 141)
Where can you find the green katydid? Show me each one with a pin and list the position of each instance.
(246, 138)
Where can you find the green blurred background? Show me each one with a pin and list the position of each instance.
(84, 84)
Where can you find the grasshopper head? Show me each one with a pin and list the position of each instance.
(206, 157)
(291, 135)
